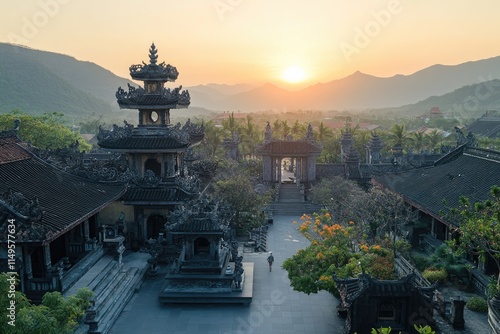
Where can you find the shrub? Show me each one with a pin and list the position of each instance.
(421, 262)
(477, 304)
(435, 275)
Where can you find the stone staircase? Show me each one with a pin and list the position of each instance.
(291, 202)
(113, 286)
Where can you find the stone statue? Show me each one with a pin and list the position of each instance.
(268, 134)
(460, 136)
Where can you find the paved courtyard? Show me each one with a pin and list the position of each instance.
(275, 308)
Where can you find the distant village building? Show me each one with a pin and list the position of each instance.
(435, 112)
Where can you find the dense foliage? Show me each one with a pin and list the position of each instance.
(334, 250)
(377, 211)
(46, 131)
(477, 304)
(479, 226)
(55, 315)
(237, 184)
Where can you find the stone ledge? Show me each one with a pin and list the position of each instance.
(231, 297)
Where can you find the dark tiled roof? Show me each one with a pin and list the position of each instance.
(352, 288)
(147, 101)
(156, 196)
(471, 174)
(197, 225)
(12, 149)
(65, 199)
(486, 127)
(298, 147)
(144, 143)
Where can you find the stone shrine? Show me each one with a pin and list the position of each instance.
(208, 269)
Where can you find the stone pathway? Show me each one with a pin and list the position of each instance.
(275, 308)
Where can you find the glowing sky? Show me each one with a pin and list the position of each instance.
(255, 41)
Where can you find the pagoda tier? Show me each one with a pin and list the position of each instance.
(162, 98)
(159, 139)
(153, 96)
(153, 71)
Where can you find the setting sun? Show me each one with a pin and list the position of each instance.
(294, 74)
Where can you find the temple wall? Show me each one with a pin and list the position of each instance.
(329, 170)
(110, 213)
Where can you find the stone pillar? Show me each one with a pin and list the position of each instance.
(28, 269)
(266, 168)
(311, 168)
(170, 165)
(457, 313)
(46, 257)
(299, 171)
(279, 169)
(86, 230)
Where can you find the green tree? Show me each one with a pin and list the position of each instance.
(478, 227)
(55, 315)
(245, 203)
(333, 251)
(46, 131)
(230, 126)
(418, 139)
(323, 132)
(298, 129)
(211, 140)
(249, 136)
(398, 135)
(434, 138)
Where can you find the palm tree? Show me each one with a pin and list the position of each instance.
(397, 136)
(323, 133)
(230, 125)
(419, 140)
(285, 128)
(298, 129)
(276, 128)
(434, 138)
(212, 138)
(249, 136)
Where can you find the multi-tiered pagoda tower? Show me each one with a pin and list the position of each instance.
(155, 149)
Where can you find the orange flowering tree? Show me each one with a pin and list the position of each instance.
(335, 249)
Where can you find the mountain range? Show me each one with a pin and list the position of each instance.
(40, 81)
(359, 91)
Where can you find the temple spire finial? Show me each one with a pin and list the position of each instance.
(153, 54)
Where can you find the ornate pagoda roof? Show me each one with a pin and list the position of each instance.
(156, 196)
(292, 147)
(153, 71)
(44, 201)
(200, 215)
(154, 96)
(147, 139)
(163, 98)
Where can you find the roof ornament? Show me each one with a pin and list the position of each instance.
(153, 54)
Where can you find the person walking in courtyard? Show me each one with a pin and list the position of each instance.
(270, 260)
